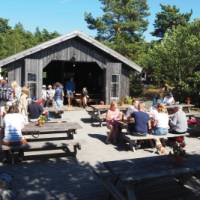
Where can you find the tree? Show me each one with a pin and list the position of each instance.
(175, 59)
(16, 39)
(169, 18)
(122, 25)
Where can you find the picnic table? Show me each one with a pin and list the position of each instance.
(55, 135)
(98, 112)
(132, 173)
(185, 107)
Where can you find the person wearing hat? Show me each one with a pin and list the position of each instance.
(44, 95)
(50, 95)
(34, 110)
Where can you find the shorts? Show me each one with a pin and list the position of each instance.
(70, 93)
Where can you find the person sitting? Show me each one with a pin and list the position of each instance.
(178, 121)
(34, 110)
(178, 124)
(13, 124)
(112, 118)
(169, 99)
(132, 108)
(141, 121)
(161, 121)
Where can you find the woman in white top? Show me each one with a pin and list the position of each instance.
(161, 121)
(13, 125)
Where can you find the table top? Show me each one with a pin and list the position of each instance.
(148, 168)
(51, 127)
(183, 105)
(107, 106)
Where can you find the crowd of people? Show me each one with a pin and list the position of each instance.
(17, 109)
(156, 121)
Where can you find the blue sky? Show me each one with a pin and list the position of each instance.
(65, 16)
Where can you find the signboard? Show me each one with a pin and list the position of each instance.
(32, 77)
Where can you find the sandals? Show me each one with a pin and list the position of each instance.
(161, 150)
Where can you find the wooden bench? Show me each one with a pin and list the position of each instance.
(51, 140)
(132, 139)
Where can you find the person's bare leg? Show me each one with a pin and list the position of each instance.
(110, 134)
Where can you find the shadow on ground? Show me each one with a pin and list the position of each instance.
(56, 179)
(100, 137)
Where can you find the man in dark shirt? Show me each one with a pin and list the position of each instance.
(141, 121)
(34, 110)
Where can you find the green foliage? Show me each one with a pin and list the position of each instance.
(175, 60)
(122, 25)
(135, 85)
(169, 18)
(16, 39)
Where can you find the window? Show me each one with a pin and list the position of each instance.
(115, 86)
(32, 84)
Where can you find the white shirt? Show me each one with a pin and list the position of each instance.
(168, 100)
(162, 120)
(130, 110)
(13, 123)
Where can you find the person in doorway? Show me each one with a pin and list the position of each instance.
(70, 90)
(84, 97)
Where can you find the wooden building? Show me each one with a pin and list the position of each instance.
(93, 65)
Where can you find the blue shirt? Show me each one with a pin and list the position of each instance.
(70, 86)
(141, 122)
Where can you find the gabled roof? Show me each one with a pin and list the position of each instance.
(65, 38)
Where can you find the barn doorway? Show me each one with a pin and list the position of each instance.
(85, 74)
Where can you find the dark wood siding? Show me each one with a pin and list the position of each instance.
(81, 51)
(15, 71)
(124, 82)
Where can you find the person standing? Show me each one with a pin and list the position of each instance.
(84, 97)
(70, 90)
(44, 95)
(58, 96)
(16, 91)
(50, 95)
(23, 103)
